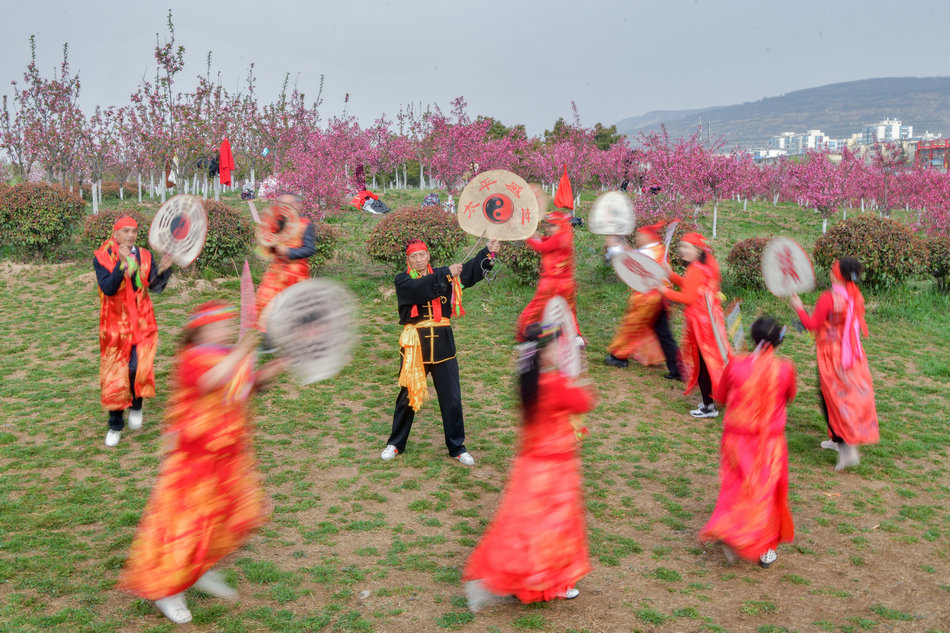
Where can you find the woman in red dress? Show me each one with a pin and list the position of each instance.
(208, 497)
(752, 515)
(536, 546)
(705, 346)
(847, 392)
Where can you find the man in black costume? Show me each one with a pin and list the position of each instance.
(426, 299)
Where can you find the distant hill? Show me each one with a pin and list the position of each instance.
(838, 110)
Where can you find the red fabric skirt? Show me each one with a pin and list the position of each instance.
(536, 546)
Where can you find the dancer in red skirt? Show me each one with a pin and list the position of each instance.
(536, 546)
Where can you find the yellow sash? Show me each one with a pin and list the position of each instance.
(413, 374)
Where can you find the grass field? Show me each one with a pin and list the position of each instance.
(359, 545)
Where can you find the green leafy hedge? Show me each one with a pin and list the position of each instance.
(938, 247)
(523, 262)
(326, 238)
(745, 262)
(37, 218)
(230, 239)
(889, 250)
(438, 229)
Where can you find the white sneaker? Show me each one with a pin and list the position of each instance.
(135, 419)
(570, 593)
(830, 444)
(212, 583)
(466, 459)
(389, 453)
(702, 411)
(175, 608)
(113, 437)
(848, 456)
(767, 558)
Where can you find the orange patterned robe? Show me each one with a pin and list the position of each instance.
(752, 513)
(126, 318)
(843, 369)
(208, 497)
(282, 274)
(536, 546)
(635, 337)
(557, 277)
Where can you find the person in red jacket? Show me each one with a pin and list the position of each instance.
(128, 334)
(705, 344)
(847, 391)
(556, 247)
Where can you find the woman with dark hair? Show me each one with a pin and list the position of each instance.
(536, 546)
(752, 515)
(705, 346)
(847, 392)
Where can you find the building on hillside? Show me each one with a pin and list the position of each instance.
(811, 140)
(886, 131)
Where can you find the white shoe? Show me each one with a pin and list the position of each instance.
(135, 419)
(466, 459)
(212, 583)
(848, 456)
(702, 411)
(175, 608)
(113, 437)
(570, 593)
(389, 453)
(767, 558)
(830, 444)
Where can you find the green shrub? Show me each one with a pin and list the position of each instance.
(438, 229)
(36, 218)
(889, 250)
(938, 247)
(230, 239)
(745, 262)
(523, 262)
(98, 228)
(326, 238)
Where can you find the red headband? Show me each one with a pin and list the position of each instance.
(696, 239)
(209, 313)
(414, 247)
(836, 271)
(125, 221)
(652, 231)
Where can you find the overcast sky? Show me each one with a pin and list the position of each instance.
(521, 61)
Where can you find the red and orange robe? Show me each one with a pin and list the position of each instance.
(126, 320)
(843, 371)
(208, 497)
(285, 271)
(557, 276)
(705, 330)
(752, 514)
(536, 545)
(635, 337)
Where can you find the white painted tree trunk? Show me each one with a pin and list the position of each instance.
(774, 200)
(163, 192)
(95, 202)
(745, 205)
(824, 225)
(151, 185)
(422, 179)
(846, 213)
(254, 182)
(862, 205)
(139, 176)
(217, 189)
(715, 217)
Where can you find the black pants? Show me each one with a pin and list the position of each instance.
(445, 375)
(662, 329)
(115, 417)
(824, 411)
(705, 382)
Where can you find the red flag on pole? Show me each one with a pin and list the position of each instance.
(564, 198)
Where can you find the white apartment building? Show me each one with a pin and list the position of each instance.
(793, 143)
(886, 131)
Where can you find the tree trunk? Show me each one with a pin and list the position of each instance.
(862, 205)
(745, 205)
(845, 213)
(163, 192)
(422, 178)
(824, 225)
(217, 189)
(715, 217)
(774, 200)
(151, 185)
(253, 182)
(139, 175)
